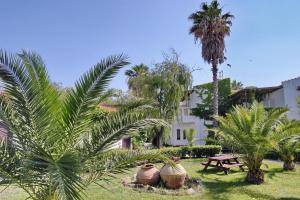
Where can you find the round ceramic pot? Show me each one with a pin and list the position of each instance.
(148, 175)
(173, 177)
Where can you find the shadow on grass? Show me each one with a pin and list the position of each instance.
(216, 171)
(222, 190)
(219, 189)
(271, 173)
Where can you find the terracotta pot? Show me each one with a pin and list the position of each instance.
(173, 177)
(148, 175)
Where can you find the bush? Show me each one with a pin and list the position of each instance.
(204, 151)
(171, 151)
(272, 155)
(188, 151)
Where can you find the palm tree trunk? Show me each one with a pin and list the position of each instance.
(215, 92)
(157, 141)
(255, 176)
(289, 165)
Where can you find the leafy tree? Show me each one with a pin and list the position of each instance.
(253, 132)
(165, 85)
(190, 135)
(204, 109)
(210, 27)
(50, 142)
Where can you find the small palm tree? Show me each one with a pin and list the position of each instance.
(253, 132)
(288, 146)
(287, 151)
(190, 135)
(210, 27)
(51, 141)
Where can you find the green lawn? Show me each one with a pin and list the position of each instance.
(278, 185)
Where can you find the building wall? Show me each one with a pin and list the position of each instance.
(285, 97)
(274, 99)
(185, 120)
(290, 97)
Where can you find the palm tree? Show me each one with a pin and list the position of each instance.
(51, 141)
(236, 85)
(287, 151)
(253, 132)
(210, 27)
(288, 146)
(190, 135)
(136, 76)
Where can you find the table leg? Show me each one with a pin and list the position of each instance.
(206, 166)
(241, 167)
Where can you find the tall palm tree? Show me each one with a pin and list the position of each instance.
(253, 132)
(51, 141)
(137, 70)
(210, 27)
(136, 76)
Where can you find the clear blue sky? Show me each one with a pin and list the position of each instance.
(72, 35)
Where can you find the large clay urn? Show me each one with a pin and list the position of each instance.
(148, 175)
(173, 176)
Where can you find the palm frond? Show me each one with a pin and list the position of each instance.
(108, 164)
(84, 97)
(115, 126)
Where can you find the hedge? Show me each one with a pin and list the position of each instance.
(274, 155)
(190, 151)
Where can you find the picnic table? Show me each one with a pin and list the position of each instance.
(223, 162)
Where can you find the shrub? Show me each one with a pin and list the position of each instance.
(188, 151)
(204, 151)
(171, 151)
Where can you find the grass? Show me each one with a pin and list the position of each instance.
(278, 185)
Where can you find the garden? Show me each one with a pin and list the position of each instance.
(61, 143)
(279, 185)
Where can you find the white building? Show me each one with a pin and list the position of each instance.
(185, 120)
(284, 96)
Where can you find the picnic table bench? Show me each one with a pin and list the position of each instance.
(223, 162)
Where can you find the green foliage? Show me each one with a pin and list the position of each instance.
(204, 109)
(210, 26)
(166, 84)
(190, 135)
(51, 140)
(201, 151)
(236, 85)
(253, 132)
(288, 147)
(194, 151)
(136, 77)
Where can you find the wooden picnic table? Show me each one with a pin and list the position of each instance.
(223, 162)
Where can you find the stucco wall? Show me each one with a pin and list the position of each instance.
(183, 121)
(290, 95)
(274, 99)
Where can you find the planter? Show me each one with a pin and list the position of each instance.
(173, 177)
(148, 175)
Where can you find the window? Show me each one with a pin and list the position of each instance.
(184, 135)
(178, 134)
